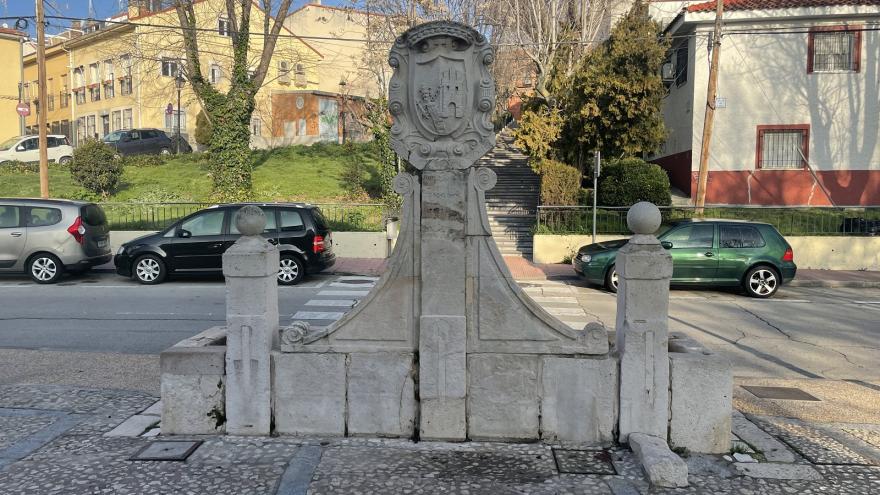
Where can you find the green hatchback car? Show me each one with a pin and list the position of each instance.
(718, 253)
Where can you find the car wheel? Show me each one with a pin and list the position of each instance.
(761, 281)
(611, 279)
(149, 269)
(291, 270)
(65, 160)
(164, 151)
(45, 268)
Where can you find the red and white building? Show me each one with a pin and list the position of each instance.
(797, 118)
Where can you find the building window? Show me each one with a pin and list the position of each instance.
(224, 27)
(95, 93)
(109, 90)
(681, 63)
(64, 98)
(116, 118)
(170, 67)
(782, 147)
(50, 102)
(126, 119)
(216, 74)
(90, 127)
(78, 80)
(80, 96)
(108, 70)
(256, 127)
(833, 49)
(94, 77)
(171, 120)
(125, 85)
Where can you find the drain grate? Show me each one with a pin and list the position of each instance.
(584, 462)
(175, 450)
(780, 393)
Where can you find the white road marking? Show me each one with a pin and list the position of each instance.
(866, 302)
(555, 299)
(349, 293)
(316, 315)
(350, 286)
(784, 300)
(358, 277)
(565, 311)
(347, 303)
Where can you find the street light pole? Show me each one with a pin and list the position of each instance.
(41, 102)
(179, 82)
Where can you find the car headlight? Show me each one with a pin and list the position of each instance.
(120, 250)
(586, 258)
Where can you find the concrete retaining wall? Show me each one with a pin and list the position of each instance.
(345, 244)
(810, 252)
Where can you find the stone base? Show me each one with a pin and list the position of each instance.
(308, 393)
(579, 400)
(661, 465)
(193, 390)
(502, 397)
(443, 420)
(701, 385)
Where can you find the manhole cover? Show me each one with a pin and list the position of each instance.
(780, 393)
(584, 461)
(177, 450)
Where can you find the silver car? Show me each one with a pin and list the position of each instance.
(46, 237)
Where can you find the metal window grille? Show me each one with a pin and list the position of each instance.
(782, 149)
(833, 51)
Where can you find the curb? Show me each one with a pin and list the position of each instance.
(835, 284)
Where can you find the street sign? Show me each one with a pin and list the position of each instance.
(23, 109)
(169, 109)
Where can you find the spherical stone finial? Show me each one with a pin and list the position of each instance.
(643, 218)
(250, 220)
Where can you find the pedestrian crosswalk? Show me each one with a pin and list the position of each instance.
(560, 300)
(340, 295)
(329, 305)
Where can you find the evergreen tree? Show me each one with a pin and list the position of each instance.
(612, 101)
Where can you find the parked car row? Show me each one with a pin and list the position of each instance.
(125, 142)
(717, 253)
(45, 238)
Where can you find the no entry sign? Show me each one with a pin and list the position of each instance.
(23, 109)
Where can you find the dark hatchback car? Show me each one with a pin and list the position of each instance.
(144, 142)
(718, 253)
(195, 244)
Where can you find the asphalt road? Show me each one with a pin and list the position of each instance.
(104, 330)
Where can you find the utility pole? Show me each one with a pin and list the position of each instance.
(711, 95)
(597, 169)
(41, 101)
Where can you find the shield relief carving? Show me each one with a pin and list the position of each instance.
(441, 96)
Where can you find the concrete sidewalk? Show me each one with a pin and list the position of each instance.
(523, 269)
(77, 441)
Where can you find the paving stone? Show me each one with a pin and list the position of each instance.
(772, 449)
(133, 426)
(16, 428)
(812, 443)
(778, 471)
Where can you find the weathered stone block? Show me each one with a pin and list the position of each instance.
(442, 377)
(443, 419)
(381, 394)
(702, 402)
(579, 402)
(644, 383)
(209, 360)
(308, 393)
(663, 467)
(503, 396)
(248, 392)
(192, 404)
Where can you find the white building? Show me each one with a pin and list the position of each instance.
(797, 118)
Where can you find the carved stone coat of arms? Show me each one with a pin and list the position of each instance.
(441, 96)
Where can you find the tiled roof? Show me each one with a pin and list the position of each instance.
(777, 4)
(12, 32)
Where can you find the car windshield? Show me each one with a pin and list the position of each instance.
(9, 143)
(114, 136)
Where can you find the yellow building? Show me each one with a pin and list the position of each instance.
(58, 106)
(121, 73)
(10, 60)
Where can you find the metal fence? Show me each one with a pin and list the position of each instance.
(812, 221)
(341, 217)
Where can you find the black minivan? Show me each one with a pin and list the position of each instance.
(144, 142)
(196, 243)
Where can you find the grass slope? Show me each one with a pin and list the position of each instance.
(296, 173)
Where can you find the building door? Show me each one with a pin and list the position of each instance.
(328, 123)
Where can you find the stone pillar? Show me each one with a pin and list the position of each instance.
(251, 268)
(644, 269)
(443, 328)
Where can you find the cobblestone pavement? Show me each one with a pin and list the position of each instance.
(52, 442)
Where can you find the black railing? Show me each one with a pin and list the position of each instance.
(810, 221)
(340, 217)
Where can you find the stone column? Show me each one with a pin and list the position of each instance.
(644, 269)
(442, 329)
(251, 268)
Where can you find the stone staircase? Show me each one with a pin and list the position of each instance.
(512, 203)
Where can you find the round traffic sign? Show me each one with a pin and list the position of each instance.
(23, 109)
